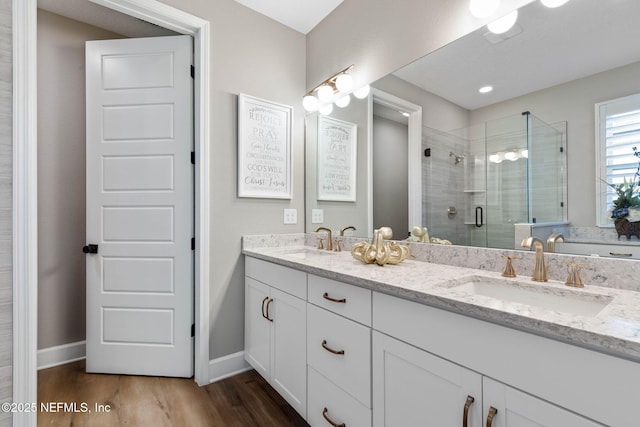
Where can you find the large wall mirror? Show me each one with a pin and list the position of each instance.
(521, 153)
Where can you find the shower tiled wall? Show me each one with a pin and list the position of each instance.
(6, 337)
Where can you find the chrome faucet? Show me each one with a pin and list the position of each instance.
(350, 227)
(552, 240)
(539, 270)
(329, 238)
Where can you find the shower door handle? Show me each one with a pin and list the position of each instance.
(479, 218)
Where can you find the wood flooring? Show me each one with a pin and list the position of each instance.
(244, 400)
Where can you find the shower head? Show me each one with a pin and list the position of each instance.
(457, 158)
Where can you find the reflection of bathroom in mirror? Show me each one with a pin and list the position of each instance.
(556, 64)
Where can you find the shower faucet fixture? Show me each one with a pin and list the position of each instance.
(457, 158)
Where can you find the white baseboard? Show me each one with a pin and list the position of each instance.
(61, 354)
(224, 367)
(219, 369)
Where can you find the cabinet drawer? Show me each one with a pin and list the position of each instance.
(348, 301)
(328, 400)
(286, 279)
(349, 370)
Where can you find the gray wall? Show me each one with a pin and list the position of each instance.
(61, 177)
(260, 57)
(390, 183)
(573, 102)
(6, 295)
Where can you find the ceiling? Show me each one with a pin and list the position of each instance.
(551, 47)
(102, 17)
(301, 15)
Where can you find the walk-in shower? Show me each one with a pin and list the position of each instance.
(514, 172)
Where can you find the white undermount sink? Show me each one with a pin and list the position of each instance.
(570, 301)
(306, 253)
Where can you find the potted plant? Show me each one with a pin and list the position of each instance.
(626, 207)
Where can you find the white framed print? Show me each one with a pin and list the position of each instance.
(337, 151)
(264, 148)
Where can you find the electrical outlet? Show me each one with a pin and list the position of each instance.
(317, 216)
(290, 216)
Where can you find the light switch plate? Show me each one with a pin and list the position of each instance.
(317, 216)
(290, 216)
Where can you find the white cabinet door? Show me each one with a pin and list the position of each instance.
(289, 348)
(514, 408)
(257, 328)
(413, 388)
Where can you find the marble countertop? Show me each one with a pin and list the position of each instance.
(613, 330)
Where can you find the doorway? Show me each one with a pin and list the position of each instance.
(25, 236)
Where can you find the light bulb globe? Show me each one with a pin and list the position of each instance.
(343, 101)
(310, 103)
(326, 109)
(553, 3)
(325, 93)
(344, 83)
(362, 93)
(504, 24)
(483, 8)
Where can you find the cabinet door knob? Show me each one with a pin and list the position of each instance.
(330, 421)
(263, 301)
(329, 349)
(492, 413)
(328, 298)
(465, 414)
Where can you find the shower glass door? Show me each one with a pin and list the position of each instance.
(507, 199)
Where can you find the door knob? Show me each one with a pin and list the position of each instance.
(90, 249)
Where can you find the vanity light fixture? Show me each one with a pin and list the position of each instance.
(504, 24)
(485, 89)
(553, 3)
(335, 89)
(483, 8)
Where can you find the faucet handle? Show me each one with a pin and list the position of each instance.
(320, 245)
(574, 275)
(337, 246)
(508, 270)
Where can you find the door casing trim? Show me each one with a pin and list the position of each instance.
(25, 191)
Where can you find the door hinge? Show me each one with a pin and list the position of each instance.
(193, 157)
(193, 243)
(193, 329)
(193, 72)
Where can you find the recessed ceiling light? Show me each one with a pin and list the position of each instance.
(485, 89)
(404, 113)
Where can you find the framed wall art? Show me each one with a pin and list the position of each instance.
(337, 150)
(264, 148)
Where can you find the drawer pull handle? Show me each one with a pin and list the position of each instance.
(492, 413)
(619, 254)
(330, 421)
(328, 298)
(267, 316)
(465, 414)
(263, 301)
(329, 349)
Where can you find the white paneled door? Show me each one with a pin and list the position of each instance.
(140, 220)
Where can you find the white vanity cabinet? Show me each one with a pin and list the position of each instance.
(530, 380)
(338, 353)
(411, 385)
(275, 328)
